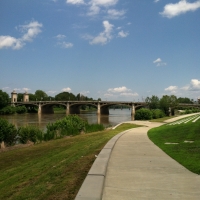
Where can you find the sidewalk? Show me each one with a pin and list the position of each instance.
(138, 169)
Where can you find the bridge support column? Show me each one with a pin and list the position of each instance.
(170, 111)
(133, 111)
(39, 109)
(98, 109)
(67, 109)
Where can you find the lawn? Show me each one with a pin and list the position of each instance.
(51, 170)
(187, 137)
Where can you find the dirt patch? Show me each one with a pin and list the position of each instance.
(18, 146)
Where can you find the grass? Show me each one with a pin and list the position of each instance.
(51, 170)
(161, 119)
(187, 154)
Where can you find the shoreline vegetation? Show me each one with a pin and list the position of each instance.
(54, 169)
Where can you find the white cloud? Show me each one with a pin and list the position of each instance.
(129, 94)
(75, 2)
(156, 1)
(159, 62)
(119, 90)
(115, 14)
(194, 85)
(171, 88)
(51, 92)
(95, 5)
(66, 89)
(123, 34)
(105, 36)
(172, 10)
(30, 31)
(85, 93)
(60, 37)
(66, 45)
(26, 89)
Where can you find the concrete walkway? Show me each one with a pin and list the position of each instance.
(138, 169)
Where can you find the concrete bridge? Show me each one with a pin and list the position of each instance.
(73, 107)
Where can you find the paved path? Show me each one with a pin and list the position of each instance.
(138, 169)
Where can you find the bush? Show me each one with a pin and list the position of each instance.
(21, 109)
(8, 132)
(30, 133)
(93, 127)
(70, 125)
(157, 113)
(143, 114)
(8, 110)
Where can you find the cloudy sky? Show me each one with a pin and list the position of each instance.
(112, 49)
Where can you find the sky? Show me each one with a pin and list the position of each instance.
(117, 50)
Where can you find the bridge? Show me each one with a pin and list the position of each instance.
(73, 107)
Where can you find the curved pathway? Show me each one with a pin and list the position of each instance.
(138, 169)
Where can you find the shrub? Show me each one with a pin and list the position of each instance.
(8, 110)
(93, 127)
(70, 125)
(157, 113)
(21, 109)
(8, 132)
(30, 133)
(143, 114)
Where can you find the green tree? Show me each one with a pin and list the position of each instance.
(184, 100)
(65, 96)
(153, 102)
(167, 102)
(41, 95)
(4, 99)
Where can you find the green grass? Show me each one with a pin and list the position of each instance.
(51, 170)
(161, 119)
(187, 154)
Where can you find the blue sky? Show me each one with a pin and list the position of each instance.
(112, 49)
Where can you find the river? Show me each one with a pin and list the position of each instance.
(41, 120)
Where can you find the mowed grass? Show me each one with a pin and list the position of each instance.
(187, 154)
(51, 170)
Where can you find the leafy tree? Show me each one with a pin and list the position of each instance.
(65, 96)
(167, 102)
(19, 97)
(40, 95)
(4, 99)
(143, 114)
(32, 97)
(184, 100)
(152, 102)
(8, 132)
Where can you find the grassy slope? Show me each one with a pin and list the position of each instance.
(187, 154)
(51, 170)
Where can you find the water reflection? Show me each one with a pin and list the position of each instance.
(41, 120)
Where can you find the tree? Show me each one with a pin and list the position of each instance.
(167, 102)
(40, 95)
(65, 96)
(184, 100)
(4, 99)
(152, 102)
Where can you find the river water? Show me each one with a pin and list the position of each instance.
(41, 120)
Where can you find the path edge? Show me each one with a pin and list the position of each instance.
(93, 185)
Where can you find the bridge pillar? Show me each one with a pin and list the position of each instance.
(67, 109)
(170, 111)
(98, 109)
(133, 111)
(39, 109)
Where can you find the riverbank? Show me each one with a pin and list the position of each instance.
(51, 170)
